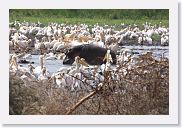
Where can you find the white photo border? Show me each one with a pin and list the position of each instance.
(172, 118)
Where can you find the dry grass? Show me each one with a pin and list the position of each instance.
(143, 90)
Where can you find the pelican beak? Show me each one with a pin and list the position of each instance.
(83, 62)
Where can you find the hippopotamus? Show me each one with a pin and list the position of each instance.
(92, 54)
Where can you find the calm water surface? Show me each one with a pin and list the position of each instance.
(54, 65)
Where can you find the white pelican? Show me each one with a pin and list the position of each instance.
(109, 60)
(61, 79)
(22, 72)
(61, 56)
(78, 62)
(28, 78)
(78, 77)
(14, 67)
(27, 56)
(38, 70)
(124, 56)
(51, 56)
(77, 83)
(164, 39)
(13, 62)
(44, 75)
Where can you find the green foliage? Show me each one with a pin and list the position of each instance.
(156, 37)
(91, 16)
(92, 13)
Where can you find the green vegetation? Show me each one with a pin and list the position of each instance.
(91, 16)
(156, 37)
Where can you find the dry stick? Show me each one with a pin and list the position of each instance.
(81, 101)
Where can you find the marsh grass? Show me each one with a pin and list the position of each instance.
(92, 16)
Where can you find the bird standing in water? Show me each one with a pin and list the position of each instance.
(107, 69)
(109, 60)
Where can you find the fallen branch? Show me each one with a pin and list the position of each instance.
(81, 101)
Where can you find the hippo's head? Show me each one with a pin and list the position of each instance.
(70, 55)
(68, 60)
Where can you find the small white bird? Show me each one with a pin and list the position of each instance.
(79, 62)
(27, 56)
(109, 60)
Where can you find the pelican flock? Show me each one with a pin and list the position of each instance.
(72, 44)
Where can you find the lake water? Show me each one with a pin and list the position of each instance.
(55, 65)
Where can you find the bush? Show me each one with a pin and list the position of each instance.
(143, 90)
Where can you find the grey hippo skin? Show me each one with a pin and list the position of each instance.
(92, 54)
